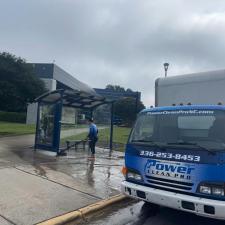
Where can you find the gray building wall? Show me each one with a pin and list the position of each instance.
(61, 76)
(43, 70)
(50, 84)
(31, 113)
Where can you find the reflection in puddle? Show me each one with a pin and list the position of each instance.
(119, 214)
(100, 176)
(90, 170)
(39, 170)
(143, 214)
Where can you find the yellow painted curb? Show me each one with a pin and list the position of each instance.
(81, 213)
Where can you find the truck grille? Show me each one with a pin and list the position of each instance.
(170, 184)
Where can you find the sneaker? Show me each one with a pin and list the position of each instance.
(92, 156)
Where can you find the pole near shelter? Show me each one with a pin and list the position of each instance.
(111, 127)
(37, 125)
(91, 113)
(136, 104)
(58, 124)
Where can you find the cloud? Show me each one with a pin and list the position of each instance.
(121, 42)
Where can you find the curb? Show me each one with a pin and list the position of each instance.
(80, 214)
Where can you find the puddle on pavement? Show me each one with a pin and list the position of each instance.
(39, 170)
(119, 214)
(142, 214)
(100, 176)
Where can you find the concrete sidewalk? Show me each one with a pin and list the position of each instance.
(36, 186)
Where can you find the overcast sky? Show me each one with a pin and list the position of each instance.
(121, 42)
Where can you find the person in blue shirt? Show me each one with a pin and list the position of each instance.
(92, 136)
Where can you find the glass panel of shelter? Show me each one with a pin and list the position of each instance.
(46, 124)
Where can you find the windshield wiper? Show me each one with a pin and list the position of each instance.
(141, 140)
(150, 142)
(193, 144)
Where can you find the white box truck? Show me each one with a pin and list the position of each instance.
(175, 155)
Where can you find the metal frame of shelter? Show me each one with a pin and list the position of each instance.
(53, 102)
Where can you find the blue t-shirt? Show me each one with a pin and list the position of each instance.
(93, 131)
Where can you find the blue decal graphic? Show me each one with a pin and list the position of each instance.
(169, 169)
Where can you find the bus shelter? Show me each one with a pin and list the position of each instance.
(49, 115)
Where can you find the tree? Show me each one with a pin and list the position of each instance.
(18, 83)
(125, 109)
(129, 90)
(115, 88)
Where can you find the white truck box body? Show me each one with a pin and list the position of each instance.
(197, 88)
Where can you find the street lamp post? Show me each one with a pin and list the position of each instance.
(166, 66)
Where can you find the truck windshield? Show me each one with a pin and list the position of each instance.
(186, 127)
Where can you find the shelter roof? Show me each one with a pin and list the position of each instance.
(73, 98)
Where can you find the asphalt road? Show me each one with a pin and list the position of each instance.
(141, 214)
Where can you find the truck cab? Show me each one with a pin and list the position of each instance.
(175, 157)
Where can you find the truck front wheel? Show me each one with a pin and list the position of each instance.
(151, 207)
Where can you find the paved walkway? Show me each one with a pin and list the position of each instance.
(36, 186)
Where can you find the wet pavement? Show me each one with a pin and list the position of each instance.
(139, 213)
(36, 186)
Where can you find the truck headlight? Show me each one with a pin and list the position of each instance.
(134, 176)
(218, 191)
(205, 189)
(211, 189)
(131, 174)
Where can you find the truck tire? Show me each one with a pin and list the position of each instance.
(151, 206)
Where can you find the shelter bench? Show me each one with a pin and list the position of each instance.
(75, 144)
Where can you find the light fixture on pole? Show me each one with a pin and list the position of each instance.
(166, 66)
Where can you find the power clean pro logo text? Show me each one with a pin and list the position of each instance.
(164, 169)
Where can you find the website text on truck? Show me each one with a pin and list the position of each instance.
(175, 157)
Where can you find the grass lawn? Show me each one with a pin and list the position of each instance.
(120, 135)
(72, 126)
(7, 128)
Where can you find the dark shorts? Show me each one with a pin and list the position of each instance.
(92, 144)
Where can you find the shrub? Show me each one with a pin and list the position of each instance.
(14, 117)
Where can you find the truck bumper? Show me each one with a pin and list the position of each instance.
(200, 206)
